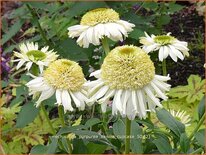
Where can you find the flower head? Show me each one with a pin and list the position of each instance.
(64, 77)
(181, 116)
(97, 24)
(166, 45)
(30, 54)
(128, 75)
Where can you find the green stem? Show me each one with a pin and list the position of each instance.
(35, 17)
(195, 130)
(197, 127)
(105, 45)
(164, 72)
(61, 115)
(164, 67)
(47, 119)
(127, 138)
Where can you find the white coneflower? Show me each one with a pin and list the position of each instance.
(166, 44)
(128, 75)
(181, 116)
(30, 54)
(66, 79)
(97, 24)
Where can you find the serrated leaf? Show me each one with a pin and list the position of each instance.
(179, 91)
(193, 92)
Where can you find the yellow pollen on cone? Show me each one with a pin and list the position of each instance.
(127, 67)
(64, 74)
(100, 15)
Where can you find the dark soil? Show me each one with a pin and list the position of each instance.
(185, 25)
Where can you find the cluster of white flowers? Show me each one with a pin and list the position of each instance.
(127, 75)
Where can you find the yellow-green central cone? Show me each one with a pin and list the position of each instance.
(64, 74)
(164, 39)
(36, 55)
(127, 67)
(97, 16)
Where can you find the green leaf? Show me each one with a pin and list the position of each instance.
(150, 5)
(193, 92)
(37, 5)
(12, 31)
(163, 145)
(27, 114)
(96, 148)
(80, 7)
(163, 20)
(39, 149)
(70, 129)
(21, 90)
(119, 129)
(184, 143)
(92, 121)
(93, 137)
(179, 91)
(201, 108)
(79, 147)
(167, 119)
(68, 48)
(200, 137)
(136, 33)
(136, 142)
(52, 146)
(173, 7)
(4, 84)
(21, 12)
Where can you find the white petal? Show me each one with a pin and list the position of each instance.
(178, 53)
(141, 103)
(21, 62)
(151, 96)
(76, 101)
(172, 55)
(159, 92)
(59, 96)
(117, 100)
(66, 101)
(161, 53)
(102, 91)
(45, 95)
(125, 96)
(96, 73)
